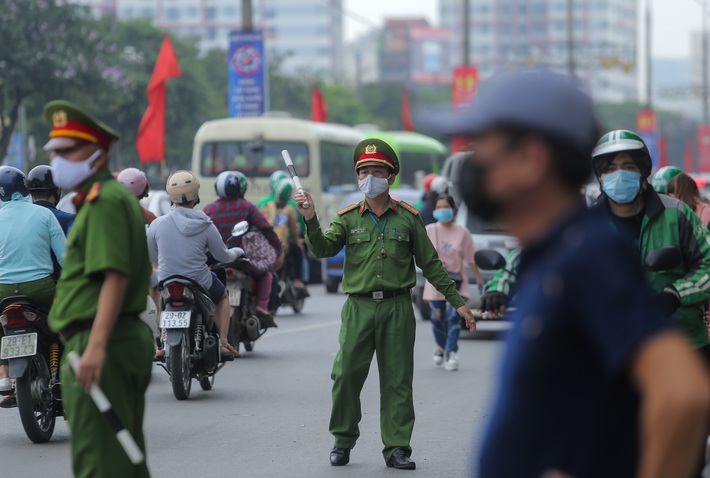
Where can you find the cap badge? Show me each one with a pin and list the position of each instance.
(59, 119)
(370, 149)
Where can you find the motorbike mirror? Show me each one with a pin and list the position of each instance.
(240, 229)
(663, 259)
(489, 260)
(280, 219)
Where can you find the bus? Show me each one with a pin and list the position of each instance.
(418, 155)
(322, 154)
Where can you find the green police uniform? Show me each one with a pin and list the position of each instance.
(108, 234)
(378, 316)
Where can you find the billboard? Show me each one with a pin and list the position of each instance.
(464, 86)
(647, 128)
(429, 56)
(247, 81)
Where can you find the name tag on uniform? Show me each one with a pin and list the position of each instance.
(358, 230)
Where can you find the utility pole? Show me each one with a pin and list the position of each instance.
(247, 22)
(570, 38)
(466, 32)
(649, 81)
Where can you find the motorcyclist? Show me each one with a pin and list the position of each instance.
(622, 165)
(137, 182)
(46, 194)
(230, 209)
(27, 236)
(500, 288)
(274, 179)
(178, 243)
(286, 227)
(437, 186)
(662, 178)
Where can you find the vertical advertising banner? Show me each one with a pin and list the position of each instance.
(247, 89)
(464, 86)
(703, 149)
(647, 128)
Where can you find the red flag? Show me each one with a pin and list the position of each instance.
(688, 156)
(150, 141)
(663, 151)
(407, 124)
(319, 110)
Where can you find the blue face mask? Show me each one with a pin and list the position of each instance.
(622, 186)
(443, 215)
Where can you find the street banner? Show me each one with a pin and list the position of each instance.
(703, 149)
(14, 152)
(464, 86)
(247, 86)
(647, 128)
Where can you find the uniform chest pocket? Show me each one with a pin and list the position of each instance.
(399, 243)
(358, 247)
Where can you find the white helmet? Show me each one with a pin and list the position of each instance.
(440, 185)
(183, 187)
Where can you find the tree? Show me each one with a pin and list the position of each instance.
(45, 45)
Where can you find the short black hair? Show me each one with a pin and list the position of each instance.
(449, 199)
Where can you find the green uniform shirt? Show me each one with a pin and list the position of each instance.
(381, 261)
(108, 233)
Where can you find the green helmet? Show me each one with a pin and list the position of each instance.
(283, 190)
(275, 177)
(622, 140)
(243, 184)
(662, 177)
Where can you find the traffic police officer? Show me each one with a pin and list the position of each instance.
(100, 294)
(383, 236)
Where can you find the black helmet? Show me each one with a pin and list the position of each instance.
(12, 181)
(40, 177)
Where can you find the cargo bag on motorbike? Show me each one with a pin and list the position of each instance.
(262, 256)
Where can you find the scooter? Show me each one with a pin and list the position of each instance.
(32, 351)
(192, 344)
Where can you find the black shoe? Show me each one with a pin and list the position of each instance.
(9, 401)
(339, 456)
(400, 460)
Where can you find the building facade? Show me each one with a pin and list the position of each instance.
(510, 33)
(306, 34)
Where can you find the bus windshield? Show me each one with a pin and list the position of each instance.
(412, 162)
(255, 157)
(337, 171)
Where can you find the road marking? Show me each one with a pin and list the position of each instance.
(305, 328)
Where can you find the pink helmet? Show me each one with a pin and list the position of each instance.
(135, 180)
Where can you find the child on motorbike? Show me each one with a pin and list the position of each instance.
(231, 208)
(178, 242)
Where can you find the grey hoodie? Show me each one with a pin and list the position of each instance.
(178, 242)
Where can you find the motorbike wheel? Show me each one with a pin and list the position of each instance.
(331, 285)
(180, 368)
(34, 401)
(207, 382)
(297, 305)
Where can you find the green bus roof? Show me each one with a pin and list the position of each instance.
(402, 141)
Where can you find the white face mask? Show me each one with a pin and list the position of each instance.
(69, 174)
(372, 186)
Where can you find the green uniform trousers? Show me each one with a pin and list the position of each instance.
(124, 379)
(387, 327)
(41, 290)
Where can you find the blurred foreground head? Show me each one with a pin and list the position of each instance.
(533, 132)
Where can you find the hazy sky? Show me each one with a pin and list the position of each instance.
(673, 20)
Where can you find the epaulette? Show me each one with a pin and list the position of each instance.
(348, 208)
(409, 207)
(93, 192)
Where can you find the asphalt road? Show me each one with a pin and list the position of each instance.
(268, 413)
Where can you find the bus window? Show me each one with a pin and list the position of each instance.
(253, 158)
(337, 167)
(412, 162)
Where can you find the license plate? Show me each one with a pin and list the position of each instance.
(235, 297)
(170, 319)
(14, 346)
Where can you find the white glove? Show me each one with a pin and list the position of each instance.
(237, 251)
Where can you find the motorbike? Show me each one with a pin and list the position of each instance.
(245, 325)
(33, 352)
(191, 341)
(287, 293)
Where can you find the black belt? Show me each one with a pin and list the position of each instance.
(75, 327)
(382, 294)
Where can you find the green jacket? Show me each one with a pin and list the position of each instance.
(502, 281)
(380, 252)
(670, 222)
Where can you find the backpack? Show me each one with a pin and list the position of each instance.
(274, 214)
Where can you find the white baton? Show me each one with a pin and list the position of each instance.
(124, 436)
(292, 171)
